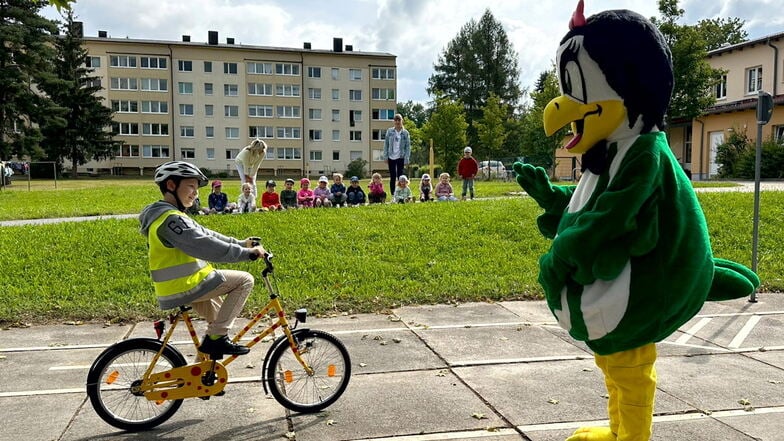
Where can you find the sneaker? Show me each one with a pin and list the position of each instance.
(221, 346)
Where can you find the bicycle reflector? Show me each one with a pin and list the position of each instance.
(159, 326)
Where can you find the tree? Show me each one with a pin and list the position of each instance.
(414, 112)
(26, 56)
(538, 148)
(478, 62)
(491, 129)
(85, 134)
(694, 77)
(446, 127)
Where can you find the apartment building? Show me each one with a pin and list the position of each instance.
(202, 102)
(750, 67)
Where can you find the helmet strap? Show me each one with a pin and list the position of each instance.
(180, 206)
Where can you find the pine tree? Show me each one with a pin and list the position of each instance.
(26, 56)
(86, 133)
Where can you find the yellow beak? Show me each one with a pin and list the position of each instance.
(591, 122)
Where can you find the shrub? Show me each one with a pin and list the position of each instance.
(356, 168)
(729, 154)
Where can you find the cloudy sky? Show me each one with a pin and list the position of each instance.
(416, 31)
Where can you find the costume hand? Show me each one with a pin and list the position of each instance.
(553, 273)
(249, 242)
(535, 182)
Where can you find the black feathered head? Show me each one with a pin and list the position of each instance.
(615, 73)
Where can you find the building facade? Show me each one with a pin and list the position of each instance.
(749, 67)
(317, 110)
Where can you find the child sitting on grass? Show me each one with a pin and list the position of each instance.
(444, 190)
(402, 192)
(425, 189)
(322, 193)
(354, 193)
(305, 194)
(338, 191)
(288, 196)
(377, 194)
(269, 199)
(246, 203)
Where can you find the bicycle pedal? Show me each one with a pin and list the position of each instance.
(205, 398)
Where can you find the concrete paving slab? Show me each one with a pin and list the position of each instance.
(392, 350)
(460, 346)
(396, 404)
(242, 414)
(355, 323)
(773, 358)
(547, 392)
(757, 426)
(448, 315)
(46, 370)
(719, 382)
(61, 336)
(38, 417)
(532, 312)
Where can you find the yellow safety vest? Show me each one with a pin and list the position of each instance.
(173, 272)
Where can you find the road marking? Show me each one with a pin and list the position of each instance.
(744, 332)
(693, 330)
(469, 434)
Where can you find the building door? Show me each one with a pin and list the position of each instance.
(716, 139)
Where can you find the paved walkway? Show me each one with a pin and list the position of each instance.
(480, 371)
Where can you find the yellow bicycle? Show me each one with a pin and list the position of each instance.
(139, 383)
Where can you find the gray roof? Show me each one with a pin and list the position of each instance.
(748, 43)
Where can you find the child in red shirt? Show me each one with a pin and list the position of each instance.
(467, 168)
(270, 201)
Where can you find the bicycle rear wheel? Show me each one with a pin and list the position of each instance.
(117, 371)
(291, 385)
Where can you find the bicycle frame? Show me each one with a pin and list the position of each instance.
(207, 376)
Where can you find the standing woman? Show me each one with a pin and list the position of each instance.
(248, 161)
(397, 149)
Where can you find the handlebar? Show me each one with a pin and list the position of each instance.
(270, 267)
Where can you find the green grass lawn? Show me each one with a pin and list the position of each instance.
(330, 260)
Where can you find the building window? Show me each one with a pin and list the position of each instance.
(125, 106)
(122, 61)
(261, 132)
(778, 134)
(389, 94)
(209, 110)
(355, 135)
(383, 114)
(185, 65)
(155, 107)
(355, 74)
(354, 116)
(208, 89)
(287, 90)
(188, 153)
(287, 69)
(314, 93)
(379, 134)
(230, 68)
(336, 135)
(335, 94)
(379, 73)
(232, 153)
(315, 155)
(721, 88)
(335, 115)
(687, 145)
(155, 151)
(355, 95)
(354, 155)
(125, 128)
(155, 129)
(335, 73)
(209, 132)
(260, 89)
(208, 67)
(232, 132)
(153, 63)
(129, 151)
(232, 111)
(186, 109)
(314, 72)
(754, 80)
(289, 153)
(93, 62)
(187, 132)
(288, 111)
(260, 68)
(314, 135)
(124, 83)
(210, 153)
(336, 155)
(155, 84)
(289, 133)
(259, 111)
(185, 88)
(314, 114)
(230, 90)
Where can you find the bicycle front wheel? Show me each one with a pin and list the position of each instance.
(290, 383)
(115, 374)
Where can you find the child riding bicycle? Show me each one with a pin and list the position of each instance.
(179, 254)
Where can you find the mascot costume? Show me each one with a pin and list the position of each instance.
(630, 259)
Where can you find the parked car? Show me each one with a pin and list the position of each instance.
(492, 170)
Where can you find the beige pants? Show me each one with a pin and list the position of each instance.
(219, 311)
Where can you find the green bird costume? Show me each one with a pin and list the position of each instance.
(630, 260)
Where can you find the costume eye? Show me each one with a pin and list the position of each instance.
(572, 82)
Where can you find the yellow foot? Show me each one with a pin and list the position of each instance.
(593, 434)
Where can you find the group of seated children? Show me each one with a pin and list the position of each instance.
(336, 195)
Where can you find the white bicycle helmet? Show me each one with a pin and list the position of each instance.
(179, 169)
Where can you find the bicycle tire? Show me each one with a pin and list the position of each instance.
(293, 388)
(111, 376)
